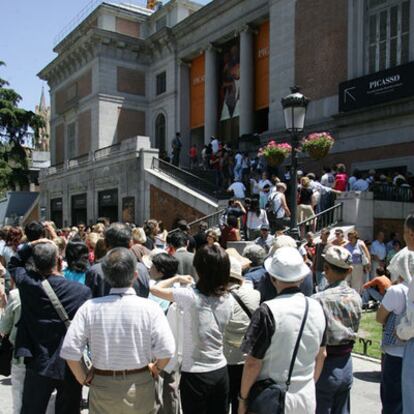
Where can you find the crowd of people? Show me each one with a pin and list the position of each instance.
(167, 322)
(234, 166)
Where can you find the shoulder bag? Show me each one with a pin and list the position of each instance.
(241, 304)
(267, 396)
(60, 310)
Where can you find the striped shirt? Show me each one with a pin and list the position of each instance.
(123, 331)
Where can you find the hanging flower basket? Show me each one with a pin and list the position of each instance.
(274, 153)
(318, 145)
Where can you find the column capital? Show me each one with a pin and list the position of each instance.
(211, 47)
(247, 28)
(182, 62)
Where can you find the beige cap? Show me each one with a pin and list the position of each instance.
(244, 261)
(338, 256)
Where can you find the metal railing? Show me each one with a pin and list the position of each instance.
(327, 218)
(77, 161)
(193, 181)
(212, 220)
(53, 169)
(389, 192)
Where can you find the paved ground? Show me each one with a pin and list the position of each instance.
(365, 392)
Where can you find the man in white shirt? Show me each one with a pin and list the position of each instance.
(327, 179)
(238, 189)
(129, 339)
(378, 253)
(215, 145)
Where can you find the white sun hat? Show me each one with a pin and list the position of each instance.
(286, 265)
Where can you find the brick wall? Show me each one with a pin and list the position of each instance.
(59, 143)
(84, 132)
(361, 155)
(68, 96)
(127, 27)
(130, 123)
(130, 81)
(389, 226)
(169, 209)
(321, 46)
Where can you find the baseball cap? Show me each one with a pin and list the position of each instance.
(338, 256)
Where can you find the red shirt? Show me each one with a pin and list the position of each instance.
(193, 152)
(341, 180)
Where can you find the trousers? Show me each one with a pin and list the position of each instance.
(129, 394)
(334, 386)
(407, 378)
(38, 389)
(167, 397)
(235, 377)
(205, 393)
(391, 397)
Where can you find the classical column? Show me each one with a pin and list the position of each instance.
(183, 113)
(246, 81)
(211, 94)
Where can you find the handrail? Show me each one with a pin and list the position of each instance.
(212, 220)
(327, 218)
(106, 150)
(390, 192)
(193, 181)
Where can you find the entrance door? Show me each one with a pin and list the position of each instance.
(160, 132)
(79, 212)
(108, 204)
(56, 210)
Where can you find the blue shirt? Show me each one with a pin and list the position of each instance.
(74, 276)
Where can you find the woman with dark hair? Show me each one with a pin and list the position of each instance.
(207, 309)
(77, 258)
(256, 217)
(13, 239)
(230, 231)
(151, 229)
(341, 178)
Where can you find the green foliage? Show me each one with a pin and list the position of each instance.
(15, 123)
(369, 329)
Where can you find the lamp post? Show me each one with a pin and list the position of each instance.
(294, 108)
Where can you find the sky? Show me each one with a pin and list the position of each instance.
(27, 34)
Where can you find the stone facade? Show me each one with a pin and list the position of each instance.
(105, 86)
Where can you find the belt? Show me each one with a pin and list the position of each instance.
(108, 373)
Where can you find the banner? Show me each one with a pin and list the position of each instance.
(229, 81)
(197, 87)
(262, 52)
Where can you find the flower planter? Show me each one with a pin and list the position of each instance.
(275, 159)
(318, 145)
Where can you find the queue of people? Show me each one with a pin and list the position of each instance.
(162, 322)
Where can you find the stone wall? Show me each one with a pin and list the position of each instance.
(321, 46)
(169, 209)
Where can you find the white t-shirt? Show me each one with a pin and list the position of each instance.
(328, 180)
(395, 300)
(238, 158)
(238, 189)
(215, 145)
(262, 183)
(255, 222)
(205, 321)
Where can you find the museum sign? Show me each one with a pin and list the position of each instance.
(378, 88)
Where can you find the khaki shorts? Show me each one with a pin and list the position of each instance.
(129, 394)
(305, 212)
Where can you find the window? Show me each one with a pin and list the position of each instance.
(71, 137)
(388, 34)
(161, 83)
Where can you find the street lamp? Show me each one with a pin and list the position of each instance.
(294, 108)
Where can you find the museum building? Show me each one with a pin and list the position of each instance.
(125, 71)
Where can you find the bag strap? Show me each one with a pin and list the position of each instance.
(60, 310)
(295, 352)
(241, 303)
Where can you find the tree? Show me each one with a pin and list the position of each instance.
(15, 124)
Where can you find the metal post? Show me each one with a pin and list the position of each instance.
(294, 231)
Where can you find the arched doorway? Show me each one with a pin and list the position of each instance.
(160, 133)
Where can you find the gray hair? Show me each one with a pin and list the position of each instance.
(45, 257)
(119, 267)
(255, 253)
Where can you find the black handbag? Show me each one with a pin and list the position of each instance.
(267, 396)
(6, 355)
